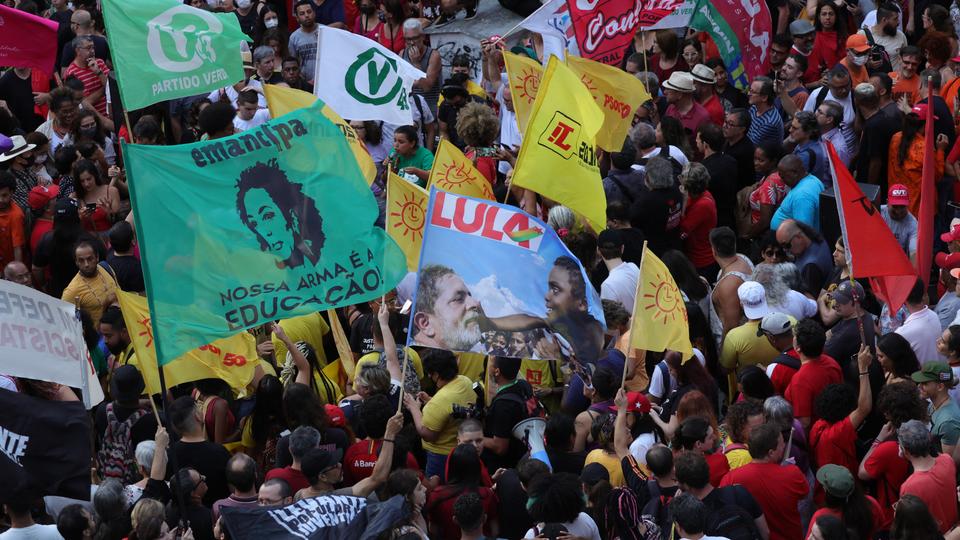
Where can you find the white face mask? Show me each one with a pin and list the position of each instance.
(244, 4)
(271, 23)
(860, 60)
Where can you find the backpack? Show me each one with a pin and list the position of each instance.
(116, 457)
(730, 520)
(532, 406)
(665, 153)
(658, 510)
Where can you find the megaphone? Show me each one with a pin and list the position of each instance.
(530, 432)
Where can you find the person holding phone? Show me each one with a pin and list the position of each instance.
(97, 200)
(91, 71)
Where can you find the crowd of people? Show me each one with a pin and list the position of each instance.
(810, 408)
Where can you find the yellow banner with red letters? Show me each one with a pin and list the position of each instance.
(233, 359)
(453, 172)
(618, 94)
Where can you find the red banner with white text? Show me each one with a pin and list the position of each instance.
(604, 28)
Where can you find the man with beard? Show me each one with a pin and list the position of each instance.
(887, 34)
(447, 315)
(93, 288)
(116, 337)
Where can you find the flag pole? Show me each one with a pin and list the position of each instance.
(643, 49)
(636, 294)
(838, 198)
(403, 377)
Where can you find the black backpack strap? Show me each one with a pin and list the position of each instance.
(423, 122)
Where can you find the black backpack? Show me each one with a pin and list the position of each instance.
(730, 520)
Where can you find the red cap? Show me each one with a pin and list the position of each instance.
(947, 261)
(40, 196)
(337, 418)
(636, 402)
(898, 195)
(858, 42)
(920, 109)
(951, 235)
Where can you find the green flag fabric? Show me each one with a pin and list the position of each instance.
(266, 224)
(164, 49)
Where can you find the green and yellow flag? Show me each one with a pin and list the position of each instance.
(282, 100)
(616, 92)
(266, 224)
(524, 75)
(406, 217)
(659, 314)
(453, 172)
(558, 157)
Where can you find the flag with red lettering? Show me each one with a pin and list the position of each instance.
(604, 28)
(27, 41)
(495, 280)
(872, 250)
(928, 201)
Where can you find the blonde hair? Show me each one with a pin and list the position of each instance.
(147, 518)
(477, 125)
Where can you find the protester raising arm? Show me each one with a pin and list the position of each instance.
(303, 366)
(384, 462)
(865, 398)
(621, 433)
(156, 487)
(389, 344)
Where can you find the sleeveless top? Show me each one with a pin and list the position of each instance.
(210, 422)
(433, 94)
(716, 326)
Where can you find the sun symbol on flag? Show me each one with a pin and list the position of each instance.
(147, 330)
(665, 300)
(529, 83)
(411, 214)
(588, 82)
(453, 175)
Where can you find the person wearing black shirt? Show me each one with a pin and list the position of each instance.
(657, 212)
(693, 476)
(191, 486)
(56, 249)
(723, 171)
(17, 91)
(82, 24)
(511, 489)
(738, 145)
(943, 118)
(508, 408)
(871, 161)
(194, 451)
(559, 436)
(126, 385)
(124, 266)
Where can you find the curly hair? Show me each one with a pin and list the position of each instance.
(477, 125)
(936, 46)
(835, 402)
(737, 417)
(555, 497)
(695, 178)
(900, 402)
(578, 286)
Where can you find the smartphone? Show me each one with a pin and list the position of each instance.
(91, 207)
(486, 151)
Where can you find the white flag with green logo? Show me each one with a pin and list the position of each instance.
(164, 49)
(361, 80)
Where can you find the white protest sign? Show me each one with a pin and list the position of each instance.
(41, 338)
(678, 19)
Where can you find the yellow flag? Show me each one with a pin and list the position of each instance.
(231, 359)
(406, 217)
(659, 314)
(616, 92)
(282, 99)
(524, 74)
(453, 172)
(558, 158)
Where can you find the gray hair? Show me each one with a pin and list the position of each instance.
(834, 111)
(659, 173)
(302, 439)
(866, 94)
(263, 52)
(561, 217)
(914, 437)
(109, 501)
(144, 453)
(695, 179)
(412, 24)
(778, 410)
(643, 136)
(79, 41)
(774, 282)
(648, 78)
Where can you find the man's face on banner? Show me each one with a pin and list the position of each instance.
(560, 298)
(268, 221)
(456, 317)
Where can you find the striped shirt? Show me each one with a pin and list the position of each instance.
(91, 82)
(766, 127)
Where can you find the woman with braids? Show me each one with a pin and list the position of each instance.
(620, 519)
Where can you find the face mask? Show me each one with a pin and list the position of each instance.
(244, 4)
(88, 132)
(368, 10)
(271, 23)
(860, 60)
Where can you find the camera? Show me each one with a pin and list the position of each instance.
(462, 412)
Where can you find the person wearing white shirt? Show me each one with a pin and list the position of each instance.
(645, 140)
(510, 135)
(22, 526)
(621, 285)
(249, 114)
(922, 327)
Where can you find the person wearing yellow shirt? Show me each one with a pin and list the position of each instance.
(461, 64)
(436, 423)
(308, 328)
(741, 418)
(93, 288)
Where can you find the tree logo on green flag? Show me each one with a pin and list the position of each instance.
(373, 78)
(180, 38)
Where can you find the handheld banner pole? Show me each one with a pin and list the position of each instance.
(636, 293)
(403, 377)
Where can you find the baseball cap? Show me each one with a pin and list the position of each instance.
(858, 42)
(40, 196)
(336, 415)
(593, 473)
(67, 208)
(951, 235)
(753, 298)
(126, 384)
(610, 238)
(801, 27)
(920, 109)
(775, 324)
(836, 480)
(636, 402)
(847, 292)
(933, 372)
(898, 195)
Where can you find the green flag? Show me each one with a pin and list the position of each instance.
(269, 223)
(164, 49)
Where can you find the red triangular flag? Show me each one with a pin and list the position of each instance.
(872, 250)
(928, 197)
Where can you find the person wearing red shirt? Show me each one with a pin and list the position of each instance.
(705, 80)
(302, 439)
(934, 479)
(845, 500)
(471, 432)
(776, 487)
(695, 434)
(361, 457)
(833, 437)
(91, 71)
(828, 49)
(42, 200)
(679, 90)
(778, 329)
(699, 218)
(464, 477)
(898, 403)
(817, 370)
(691, 471)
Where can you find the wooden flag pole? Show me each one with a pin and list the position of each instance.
(636, 295)
(403, 378)
(343, 346)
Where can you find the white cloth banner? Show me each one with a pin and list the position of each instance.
(41, 338)
(361, 80)
(680, 17)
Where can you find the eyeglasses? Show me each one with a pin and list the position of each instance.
(786, 245)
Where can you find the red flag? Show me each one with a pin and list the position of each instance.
(928, 197)
(27, 41)
(604, 28)
(872, 250)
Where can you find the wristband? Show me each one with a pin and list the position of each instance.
(388, 440)
(864, 373)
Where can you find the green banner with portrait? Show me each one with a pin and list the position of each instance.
(266, 224)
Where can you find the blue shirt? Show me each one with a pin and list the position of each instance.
(766, 127)
(802, 203)
(814, 158)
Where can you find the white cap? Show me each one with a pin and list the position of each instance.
(753, 298)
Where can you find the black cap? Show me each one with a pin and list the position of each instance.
(126, 384)
(593, 473)
(610, 239)
(449, 91)
(67, 207)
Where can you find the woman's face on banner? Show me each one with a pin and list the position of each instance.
(267, 220)
(560, 298)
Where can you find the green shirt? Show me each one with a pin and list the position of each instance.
(421, 159)
(946, 423)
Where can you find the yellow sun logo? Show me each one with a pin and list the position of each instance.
(665, 300)
(147, 330)
(588, 82)
(528, 84)
(454, 174)
(411, 215)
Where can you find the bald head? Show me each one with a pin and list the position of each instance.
(83, 22)
(17, 272)
(791, 169)
(792, 237)
(242, 473)
(786, 230)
